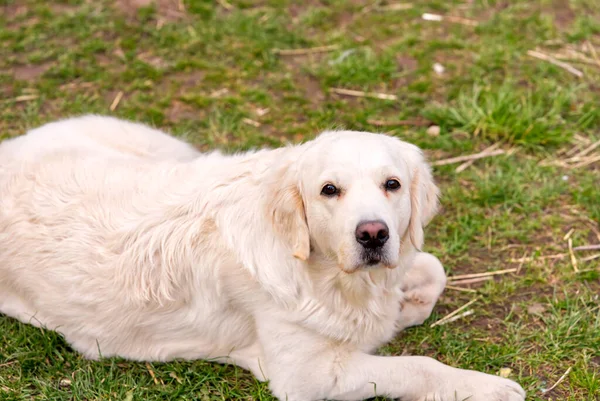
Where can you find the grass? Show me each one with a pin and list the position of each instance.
(505, 113)
(202, 71)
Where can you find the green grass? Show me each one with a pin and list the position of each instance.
(202, 71)
(527, 117)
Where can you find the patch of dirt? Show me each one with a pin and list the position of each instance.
(110, 62)
(153, 60)
(406, 63)
(536, 309)
(60, 8)
(30, 72)
(296, 9)
(181, 111)
(185, 81)
(189, 79)
(560, 9)
(306, 82)
(178, 83)
(563, 14)
(7, 90)
(167, 10)
(311, 87)
(345, 19)
(407, 66)
(12, 10)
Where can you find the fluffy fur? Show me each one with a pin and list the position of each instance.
(130, 243)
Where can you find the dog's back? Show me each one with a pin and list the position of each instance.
(97, 134)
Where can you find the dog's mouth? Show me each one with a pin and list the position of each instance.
(374, 258)
(368, 259)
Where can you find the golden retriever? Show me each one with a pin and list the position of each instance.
(294, 263)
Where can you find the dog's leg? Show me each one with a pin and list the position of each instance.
(422, 285)
(14, 306)
(415, 378)
(249, 358)
(303, 366)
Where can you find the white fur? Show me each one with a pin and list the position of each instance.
(130, 243)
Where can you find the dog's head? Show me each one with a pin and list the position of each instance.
(356, 198)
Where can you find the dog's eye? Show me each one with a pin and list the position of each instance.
(329, 190)
(392, 185)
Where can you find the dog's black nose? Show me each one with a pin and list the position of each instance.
(372, 234)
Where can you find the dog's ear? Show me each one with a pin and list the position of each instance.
(286, 212)
(423, 196)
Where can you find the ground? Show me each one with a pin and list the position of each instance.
(214, 73)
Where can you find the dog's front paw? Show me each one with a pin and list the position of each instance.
(477, 386)
(414, 310)
(425, 274)
(422, 285)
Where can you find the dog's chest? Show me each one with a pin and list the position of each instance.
(355, 313)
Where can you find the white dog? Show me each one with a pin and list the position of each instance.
(294, 263)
